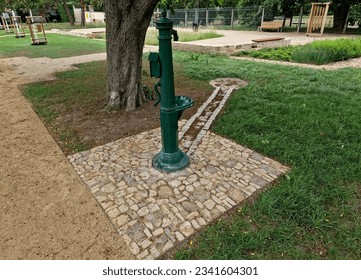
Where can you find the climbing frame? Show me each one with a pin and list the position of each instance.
(18, 26)
(317, 20)
(6, 22)
(37, 31)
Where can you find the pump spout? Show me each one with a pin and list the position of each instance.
(175, 34)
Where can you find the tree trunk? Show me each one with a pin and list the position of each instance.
(82, 8)
(68, 13)
(340, 15)
(43, 14)
(127, 23)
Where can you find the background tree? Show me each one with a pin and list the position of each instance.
(3, 6)
(40, 7)
(340, 10)
(98, 4)
(68, 12)
(355, 15)
(82, 13)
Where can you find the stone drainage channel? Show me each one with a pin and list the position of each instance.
(155, 211)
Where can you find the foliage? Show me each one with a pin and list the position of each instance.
(274, 7)
(355, 15)
(284, 53)
(62, 14)
(318, 52)
(250, 16)
(184, 4)
(326, 51)
(289, 8)
(36, 5)
(98, 4)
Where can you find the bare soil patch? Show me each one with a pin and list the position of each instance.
(102, 127)
(46, 211)
(80, 124)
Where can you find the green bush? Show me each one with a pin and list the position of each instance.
(323, 52)
(62, 13)
(284, 53)
(318, 52)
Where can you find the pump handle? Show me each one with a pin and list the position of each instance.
(158, 94)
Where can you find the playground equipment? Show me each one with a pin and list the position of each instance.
(317, 20)
(170, 158)
(17, 26)
(6, 22)
(37, 31)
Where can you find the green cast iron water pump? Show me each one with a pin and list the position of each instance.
(170, 158)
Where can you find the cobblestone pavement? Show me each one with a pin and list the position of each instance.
(155, 211)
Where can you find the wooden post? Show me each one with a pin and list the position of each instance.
(7, 25)
(310, 20)
(207, 18)
(324, 17)
(232, 19)
(185, 18)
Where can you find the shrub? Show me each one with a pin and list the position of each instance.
(322, 52)
(318, 52)
(273, 54)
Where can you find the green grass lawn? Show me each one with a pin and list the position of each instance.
(309, 120)
(305, 118)
(64, 46)
(152, 36)
(67, 26)
(58, 46)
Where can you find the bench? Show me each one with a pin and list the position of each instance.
(277, 25)
(268, 39)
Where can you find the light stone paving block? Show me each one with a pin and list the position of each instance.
(155, 211)
(164, 203)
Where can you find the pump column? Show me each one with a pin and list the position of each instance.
(171, 158)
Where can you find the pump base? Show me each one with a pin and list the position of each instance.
(170, 162)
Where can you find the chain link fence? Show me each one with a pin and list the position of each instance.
(230, 18)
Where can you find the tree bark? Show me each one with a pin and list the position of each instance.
(82, 8)
(68, 13)
(127, 23)
(340, 15)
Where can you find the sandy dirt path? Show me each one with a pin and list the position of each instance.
(46, 212)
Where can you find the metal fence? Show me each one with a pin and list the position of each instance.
(227, 17)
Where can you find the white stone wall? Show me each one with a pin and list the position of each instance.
(89, 16)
